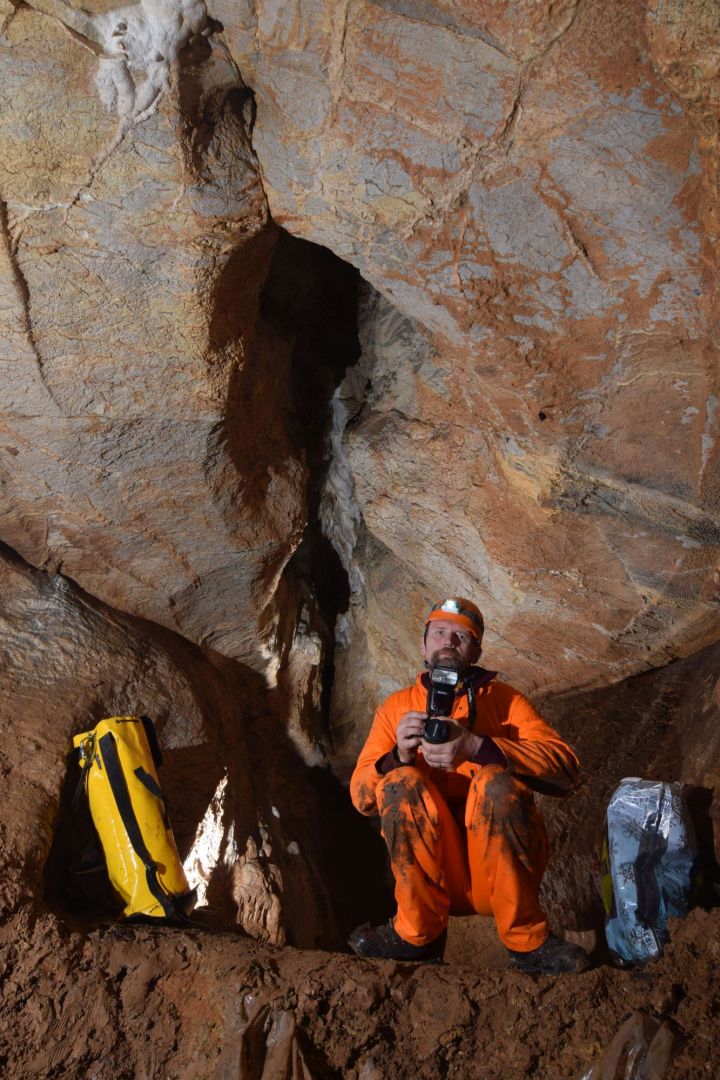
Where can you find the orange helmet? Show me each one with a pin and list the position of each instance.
(459, 610)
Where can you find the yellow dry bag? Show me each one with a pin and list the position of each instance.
(129, 812)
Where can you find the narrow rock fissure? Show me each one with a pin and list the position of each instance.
(311, 297)
(315, 298)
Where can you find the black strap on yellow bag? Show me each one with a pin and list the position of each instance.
(119, 778)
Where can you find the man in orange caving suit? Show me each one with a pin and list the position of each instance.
(458, 816)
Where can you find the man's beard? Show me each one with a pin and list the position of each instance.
(446, 656)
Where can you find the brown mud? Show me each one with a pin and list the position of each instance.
(149, 1002)
(506, 808)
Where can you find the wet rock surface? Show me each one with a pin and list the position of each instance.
(536, 209)
(531, 191)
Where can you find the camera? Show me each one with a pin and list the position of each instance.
(444, 678)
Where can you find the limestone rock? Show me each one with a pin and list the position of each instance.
(67, 661)
(257, 890)
(526, 192)
(532, 204)
(133, 374)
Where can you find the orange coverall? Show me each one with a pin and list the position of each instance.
(471, 839)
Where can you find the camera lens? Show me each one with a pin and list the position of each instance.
(435, 731)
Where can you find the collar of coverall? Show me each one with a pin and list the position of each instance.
(479, 677)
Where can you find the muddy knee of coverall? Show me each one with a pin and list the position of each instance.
(504, 805)
(406, 806)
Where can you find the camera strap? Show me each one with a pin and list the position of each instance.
(472, 710)
(477, 678)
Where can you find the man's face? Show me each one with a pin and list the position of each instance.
(448, 640)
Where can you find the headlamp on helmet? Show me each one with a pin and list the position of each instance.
(459, 610)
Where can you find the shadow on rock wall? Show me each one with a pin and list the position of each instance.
(661, 725)
(68, 661)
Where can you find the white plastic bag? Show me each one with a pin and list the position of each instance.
(649, 860)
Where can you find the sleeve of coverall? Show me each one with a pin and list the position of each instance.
(365, 778)
(534, 749)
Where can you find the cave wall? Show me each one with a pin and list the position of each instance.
(67, 661)
(661, 724)
(136, 242)
(257, 464)
(534, 187)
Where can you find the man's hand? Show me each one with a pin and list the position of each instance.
(461, 745)
(409, 735)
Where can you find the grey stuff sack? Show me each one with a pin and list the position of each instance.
(650, 856)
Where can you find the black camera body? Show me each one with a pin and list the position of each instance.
(444, 679)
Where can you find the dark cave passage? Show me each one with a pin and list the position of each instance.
(312, 297)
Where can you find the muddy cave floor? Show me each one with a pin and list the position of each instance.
(156, 1002)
